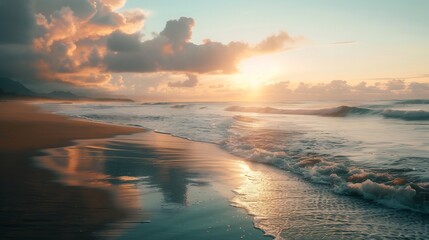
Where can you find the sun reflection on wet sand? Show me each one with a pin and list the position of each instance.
(82, 165)
(77, 165)
(137, 170)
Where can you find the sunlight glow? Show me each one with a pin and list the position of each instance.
(257, 71)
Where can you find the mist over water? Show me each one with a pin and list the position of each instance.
(378, 151)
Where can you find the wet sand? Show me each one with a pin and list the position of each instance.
(173, 188)
(33, 206)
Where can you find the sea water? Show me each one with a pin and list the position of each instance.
(375, 151)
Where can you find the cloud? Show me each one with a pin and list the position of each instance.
(16, 22)
(217, 86)
(343, 43)
(120, 42)
(88, 79)
(192, 81)
(275, 43)
(17, 61)
(277, 90)
(82, 9)
(364, 87)
(178, 32)
(401, 77)
(17, 58)
(77, 26)
(395, 84)
(335, 88)
(65, 24)
(82, 42)
(172, 51)
(49, 41)
(341, 90)
(115, 4)
(419, 88)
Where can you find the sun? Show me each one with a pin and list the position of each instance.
(256, 72)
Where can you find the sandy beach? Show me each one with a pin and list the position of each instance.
(150, 184)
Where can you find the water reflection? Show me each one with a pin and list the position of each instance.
(118, 163)
(150, 175)
(154, 166)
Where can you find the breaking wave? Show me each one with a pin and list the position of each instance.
(406, 115)
(341, 111)
(391, 188)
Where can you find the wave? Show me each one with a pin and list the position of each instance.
(341, 111)
(245, 119)
(390, 188)
(413, 101)
(406, 115)
(156, 103)
(180, 106)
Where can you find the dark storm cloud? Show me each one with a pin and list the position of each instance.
(16, 22)
(17, 61)
(17, 27)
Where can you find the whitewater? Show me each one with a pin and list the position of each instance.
(377, 151)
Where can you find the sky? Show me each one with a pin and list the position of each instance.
(159, 50)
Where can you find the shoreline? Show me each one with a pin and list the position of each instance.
(44, 199)
(52, 130)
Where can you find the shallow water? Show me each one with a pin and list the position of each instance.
(288, 208)
(173, 188)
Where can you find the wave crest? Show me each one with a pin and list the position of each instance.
(413, 101)
(389, 188)
(406, 115)
(341, 111)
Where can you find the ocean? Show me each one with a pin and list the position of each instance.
(376, 152)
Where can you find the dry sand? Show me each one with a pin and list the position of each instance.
(24, 128)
